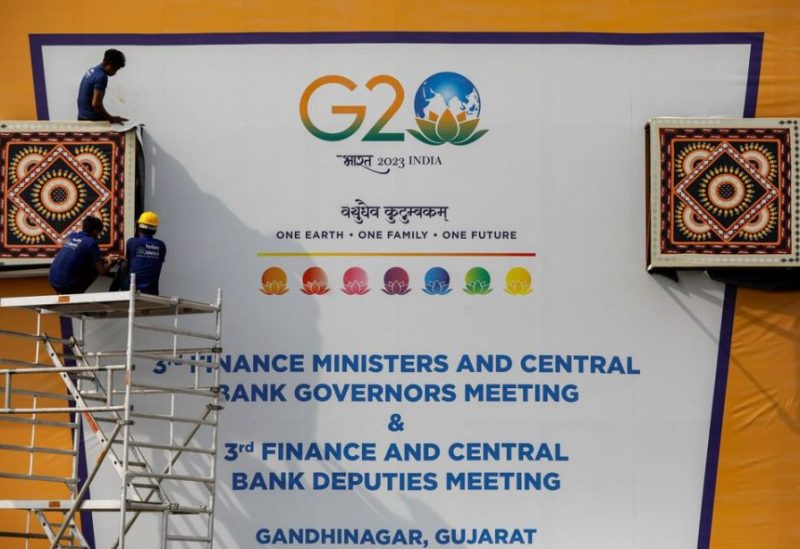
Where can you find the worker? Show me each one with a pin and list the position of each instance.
(79, 262)
(144, 255)
(93, 88)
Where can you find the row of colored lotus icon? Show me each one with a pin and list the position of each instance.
(396, 281)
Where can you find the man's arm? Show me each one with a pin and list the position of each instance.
(99, 108)
(103, 265)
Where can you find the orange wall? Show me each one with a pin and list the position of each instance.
(18, 434)
(757, 501)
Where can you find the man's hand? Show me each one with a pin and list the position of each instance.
(117, 120)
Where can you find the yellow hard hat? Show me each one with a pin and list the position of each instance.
(149, 220)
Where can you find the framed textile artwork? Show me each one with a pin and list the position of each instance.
(722, 193)
(55, 174)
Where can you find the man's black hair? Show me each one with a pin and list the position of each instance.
(92, 225)
(115, 58)
(148, 232)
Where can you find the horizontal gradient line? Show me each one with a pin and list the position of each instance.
(396, 254)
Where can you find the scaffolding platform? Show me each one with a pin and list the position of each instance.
(108, 305)
(157, 437)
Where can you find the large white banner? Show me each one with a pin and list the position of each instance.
(443, 336)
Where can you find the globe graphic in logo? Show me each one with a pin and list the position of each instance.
(446, 90)
(447, 108)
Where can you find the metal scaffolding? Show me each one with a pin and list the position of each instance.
(159, 436)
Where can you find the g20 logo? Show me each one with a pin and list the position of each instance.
(447, 108)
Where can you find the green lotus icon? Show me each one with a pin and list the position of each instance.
(477, 281)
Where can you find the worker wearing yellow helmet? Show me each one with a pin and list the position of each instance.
(144, 255)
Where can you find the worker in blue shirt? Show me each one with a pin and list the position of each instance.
(78, 262)
(93, 88)
(145, 255)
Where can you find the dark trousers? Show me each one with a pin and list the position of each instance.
(80, 285)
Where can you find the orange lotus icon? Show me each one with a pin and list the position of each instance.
(273, 282)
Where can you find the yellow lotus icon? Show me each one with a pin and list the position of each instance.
(518, 281)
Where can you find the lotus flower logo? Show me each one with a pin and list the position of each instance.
(437, 282)
(447, 108)
(395, 281)
(273, 282)
(355, 281)
(315, 282)
(477, 281)
(518, 281)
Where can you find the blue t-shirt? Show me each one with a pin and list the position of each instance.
(145, 256)
(94, 79)
(75, 262)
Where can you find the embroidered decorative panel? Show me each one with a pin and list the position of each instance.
(723, 193)
(56, 174)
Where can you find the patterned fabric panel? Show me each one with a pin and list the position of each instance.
(51, 181)
(723, 196)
